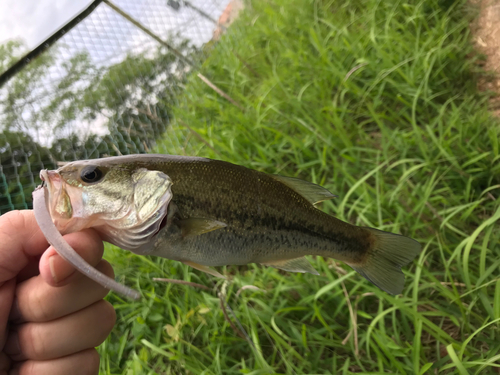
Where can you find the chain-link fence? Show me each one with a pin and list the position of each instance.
(105, 88)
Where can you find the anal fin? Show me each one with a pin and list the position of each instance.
(292, 265)
(203, 268)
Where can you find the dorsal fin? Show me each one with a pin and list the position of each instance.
(312, 192)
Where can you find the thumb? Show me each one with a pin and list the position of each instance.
(56, 271)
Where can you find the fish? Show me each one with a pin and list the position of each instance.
(208, 213)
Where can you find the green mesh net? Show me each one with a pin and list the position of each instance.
(105, 88)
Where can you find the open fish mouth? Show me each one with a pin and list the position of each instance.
(46, 182)
(59, 205)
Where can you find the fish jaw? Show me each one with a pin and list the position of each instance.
(65, 204)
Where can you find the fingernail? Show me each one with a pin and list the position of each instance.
(12, 347)
(59, 268)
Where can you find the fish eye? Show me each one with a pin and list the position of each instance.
(91, 174)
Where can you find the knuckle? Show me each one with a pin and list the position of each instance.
(91, 362)
(87, 244)
(107, 318)
(28, 368)
(85, 240)
(15, 218)
(10, 220)
(39, 309)
(106, 268)
(32, 342)
(109, 315)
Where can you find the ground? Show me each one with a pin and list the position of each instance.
(486, 32)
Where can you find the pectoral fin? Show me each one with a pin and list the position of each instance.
(312, 192)
(195, 226)
(293, 265)
(203, 268)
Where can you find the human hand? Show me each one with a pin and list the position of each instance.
(51, 316)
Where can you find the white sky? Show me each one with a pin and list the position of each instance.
(104, 34)
(35, 20)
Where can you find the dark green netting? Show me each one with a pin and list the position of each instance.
(105, 88)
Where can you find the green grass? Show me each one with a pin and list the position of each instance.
(376, 101)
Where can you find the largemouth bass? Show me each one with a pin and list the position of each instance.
(208, 213)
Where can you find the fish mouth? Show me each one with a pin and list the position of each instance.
(65, 203)
(58, 201)
(46, 182)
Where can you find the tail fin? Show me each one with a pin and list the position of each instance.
(383, 264)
